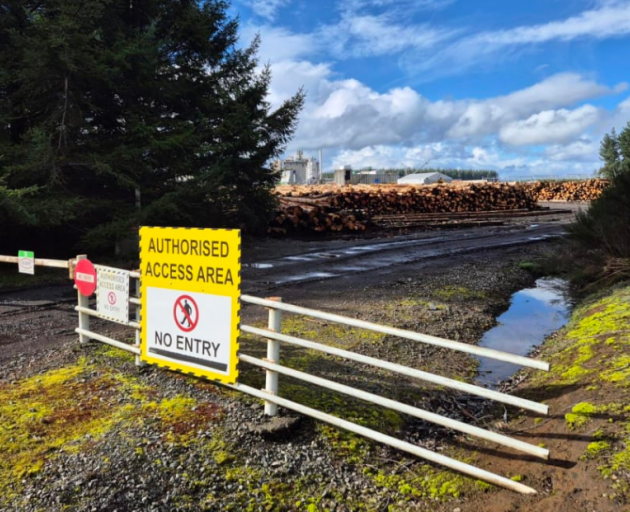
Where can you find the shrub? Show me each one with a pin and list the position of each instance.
(602, 235)
(605, 226)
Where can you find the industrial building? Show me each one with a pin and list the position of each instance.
(424, 179)
(298, 170)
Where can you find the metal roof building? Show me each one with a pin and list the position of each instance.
(424, 178)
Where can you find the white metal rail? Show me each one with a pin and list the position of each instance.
(423, 453)
(39, 262)
(536, 451)
(414, 336)
(403, 370)
(273, 369)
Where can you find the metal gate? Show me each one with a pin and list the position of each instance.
(274, 337)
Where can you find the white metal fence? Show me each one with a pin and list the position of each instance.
(273, 336)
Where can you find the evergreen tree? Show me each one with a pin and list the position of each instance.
(624, 146)
(109, 105)
(609, 153)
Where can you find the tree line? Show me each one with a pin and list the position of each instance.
(458, 174)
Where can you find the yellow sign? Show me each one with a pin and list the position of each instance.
(190, 300)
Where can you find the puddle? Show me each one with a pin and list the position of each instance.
(304, 277)
(533, 315)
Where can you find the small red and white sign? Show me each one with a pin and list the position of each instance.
(112, 294)
(186, 313)
(85, 277)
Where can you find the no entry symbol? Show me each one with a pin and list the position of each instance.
(111, 298)
(186, 313)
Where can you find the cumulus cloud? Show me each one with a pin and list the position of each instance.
(580, 150)
(550, 126)
(348, 114)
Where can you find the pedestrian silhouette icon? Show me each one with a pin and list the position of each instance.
(186, 313)
(186, 319)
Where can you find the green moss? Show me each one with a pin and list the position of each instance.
(619, 371)
(580, 414)
(451, 292)
(56, 412)
(333, 334)
(517, 478)
(617, 465)
(595, 448)
(530, 266)
(113, 352)
(424, 482)
(577, 355)
(482, 486)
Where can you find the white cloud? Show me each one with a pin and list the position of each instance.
(419, 5)
(550, 126)
(456, 156)
(611, 19)
(580, 150)
(267, 8)
(278, 44)
(370, 35)
(348, 114)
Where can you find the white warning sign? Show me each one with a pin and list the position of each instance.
(112, 293)
(189, 328)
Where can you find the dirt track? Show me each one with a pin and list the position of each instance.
(294, 269)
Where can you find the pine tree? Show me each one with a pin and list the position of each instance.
(624, 147)
(112, 105)
(609, 153)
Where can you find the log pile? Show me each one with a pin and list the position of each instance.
(295, 218)
(350, 208)
(587, 190)
(381, 199)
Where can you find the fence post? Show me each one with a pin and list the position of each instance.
(84, 302)
(273, 355)
(139, 362)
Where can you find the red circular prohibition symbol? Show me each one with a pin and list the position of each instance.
(186, 313)
(85, 277)
(111, 298)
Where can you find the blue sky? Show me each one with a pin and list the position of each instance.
(524, 87)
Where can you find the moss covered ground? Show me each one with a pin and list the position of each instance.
(74, 408)
(591, 358)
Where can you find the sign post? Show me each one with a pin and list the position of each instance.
(26, 262)
(190, 291)
(112, 294)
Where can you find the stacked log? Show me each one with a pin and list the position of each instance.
(586, 190)
(350, 208)
(382, 199)
(335, 208)
(296, 218)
